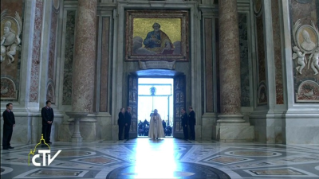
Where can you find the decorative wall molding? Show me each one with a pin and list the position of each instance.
(304, 1)
(157, 65)
(56, 5)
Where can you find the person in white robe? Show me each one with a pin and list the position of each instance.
(156, 130)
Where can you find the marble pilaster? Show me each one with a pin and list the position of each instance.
(35, 68)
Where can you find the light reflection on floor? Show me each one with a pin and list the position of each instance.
(154, 157)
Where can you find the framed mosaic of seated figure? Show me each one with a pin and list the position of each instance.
(157, 35)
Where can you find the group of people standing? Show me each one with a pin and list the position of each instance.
(9, 122)
(156, 130)
(188, 122)
(124, 122)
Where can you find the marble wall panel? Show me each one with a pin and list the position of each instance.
(104, 65)
(12, 70)
(244, 64)
(306, 12)
(104, 127)
(261, 68)
(68, 58)
(277, 51)
(28, 129)
(52, 57)
(217, 65)
(35, 68)
(209, 64)
(302, 130)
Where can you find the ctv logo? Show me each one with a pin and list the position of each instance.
(45, 154)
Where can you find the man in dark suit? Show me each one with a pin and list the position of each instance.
(128, 118)
(47, 121)
(9, 121)
(184, 119)
(164, 125)
(192, 123)
(121, 123)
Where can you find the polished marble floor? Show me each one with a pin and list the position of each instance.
(167, 158)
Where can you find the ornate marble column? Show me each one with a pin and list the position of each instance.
(229, 59)
(83, 63)
(84, 57)
(231, 125)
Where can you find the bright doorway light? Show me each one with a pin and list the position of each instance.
(155, 93)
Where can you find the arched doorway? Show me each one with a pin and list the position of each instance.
(178, 97)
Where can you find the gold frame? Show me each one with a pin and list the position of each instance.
(184, 48)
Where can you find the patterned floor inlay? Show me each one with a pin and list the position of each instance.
(225, 159)
(5, 170)
(97, 160)
(168, 158)
(75, 153)
(49, 173)
(251, 153)
(287, 171)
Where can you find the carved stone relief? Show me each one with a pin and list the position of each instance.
(8, 89)
(11, 28)
(306, 51)
(308, 91)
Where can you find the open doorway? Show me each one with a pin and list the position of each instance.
(155, 93)
(169, 98)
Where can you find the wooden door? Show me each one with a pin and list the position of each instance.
(133, 103)
(179, 103)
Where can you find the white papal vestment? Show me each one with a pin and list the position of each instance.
(156, 127)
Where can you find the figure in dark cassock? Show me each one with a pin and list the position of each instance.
(47, 121)
(8, 123)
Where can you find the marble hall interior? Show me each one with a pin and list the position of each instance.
(248, 68)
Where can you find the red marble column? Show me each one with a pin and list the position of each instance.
(229, 58)
(84, 56)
